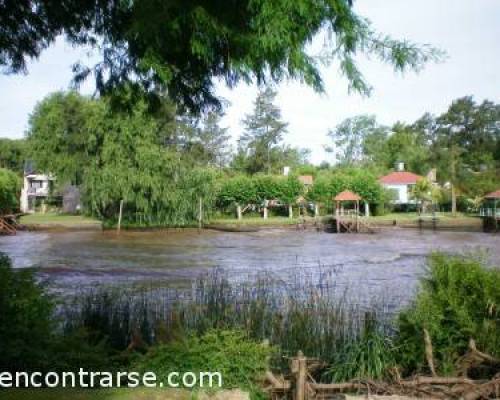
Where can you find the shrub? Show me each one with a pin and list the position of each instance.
(26, 326)
(459, 299)
(240, 360)
(10, 186)
(369, 356)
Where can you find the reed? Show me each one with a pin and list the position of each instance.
(308, 314)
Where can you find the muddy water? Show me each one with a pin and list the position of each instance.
(384, 264)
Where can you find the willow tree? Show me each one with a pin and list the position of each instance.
(116, 155)
(179, 47)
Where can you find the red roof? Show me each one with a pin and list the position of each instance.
(493, 195)
(400, 178)
(347, 195)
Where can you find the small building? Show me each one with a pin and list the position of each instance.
(35, 191)
(306, 180)
(401, 182)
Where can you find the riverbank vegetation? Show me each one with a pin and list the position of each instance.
(173, 169)
(247, 328)
(10, 187)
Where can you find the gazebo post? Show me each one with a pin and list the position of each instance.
(357, 215)
(337, 216)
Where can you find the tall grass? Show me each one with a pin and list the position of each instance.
(315, 317)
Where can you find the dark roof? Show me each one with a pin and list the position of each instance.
(347, 195)
(400, 178)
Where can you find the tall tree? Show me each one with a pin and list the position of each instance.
(351, 137)
(264, 132)
(13, 154)
(180, 46)
(465, 140)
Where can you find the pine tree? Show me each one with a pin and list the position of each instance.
(263, 134)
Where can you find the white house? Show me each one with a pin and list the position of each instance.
(401, 182)
(36, 189)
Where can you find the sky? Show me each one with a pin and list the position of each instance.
(468, 30)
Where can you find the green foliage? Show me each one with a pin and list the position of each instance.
(26, 325)
(13, 154)
(369, 356)
(261, 148)
(10, 187)
(458, 300)
(237, 190)
(240, 360)
(144, 159)
(350, 136)
(290, 188)
(241, 41)
(328, 185)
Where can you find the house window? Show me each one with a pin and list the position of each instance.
(36, 184)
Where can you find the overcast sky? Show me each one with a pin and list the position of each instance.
(468, 30)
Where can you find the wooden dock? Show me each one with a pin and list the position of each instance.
(352, 223)
(8, 225)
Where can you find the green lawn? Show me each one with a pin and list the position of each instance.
(255, 221)
(58, 219)
(95, 394)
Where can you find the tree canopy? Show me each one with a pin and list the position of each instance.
(118, 156)
(179, 47)
(10, 186)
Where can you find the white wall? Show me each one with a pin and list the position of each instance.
(403, 194)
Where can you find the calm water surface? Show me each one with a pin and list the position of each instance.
(384, 264)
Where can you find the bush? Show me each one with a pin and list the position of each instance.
(26, 326)
(459, 299)
(369, 356)
(10, 185)
(240, 360)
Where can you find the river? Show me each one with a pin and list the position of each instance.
(384, 264)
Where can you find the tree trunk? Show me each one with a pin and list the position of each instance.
(453, 201)
(367, 209)
(265, 210)
(290, 211)
(238, 211)
(316, 211)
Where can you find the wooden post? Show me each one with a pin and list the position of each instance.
(357, 215)
(265, 209)
(301, 377)
(118, 228)
(337, 216)
(200, 213)
(238, 211)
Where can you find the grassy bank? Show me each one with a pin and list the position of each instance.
(59, 220)
(255, 221)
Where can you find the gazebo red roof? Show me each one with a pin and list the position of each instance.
(347, 195)
(493, 195)
(400, 178)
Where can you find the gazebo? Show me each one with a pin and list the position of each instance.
(346, 196)
(491, 211)
(493, 199)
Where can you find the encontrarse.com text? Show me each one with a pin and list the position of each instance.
(89, 379)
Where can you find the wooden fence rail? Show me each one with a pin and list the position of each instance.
(300, 385)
